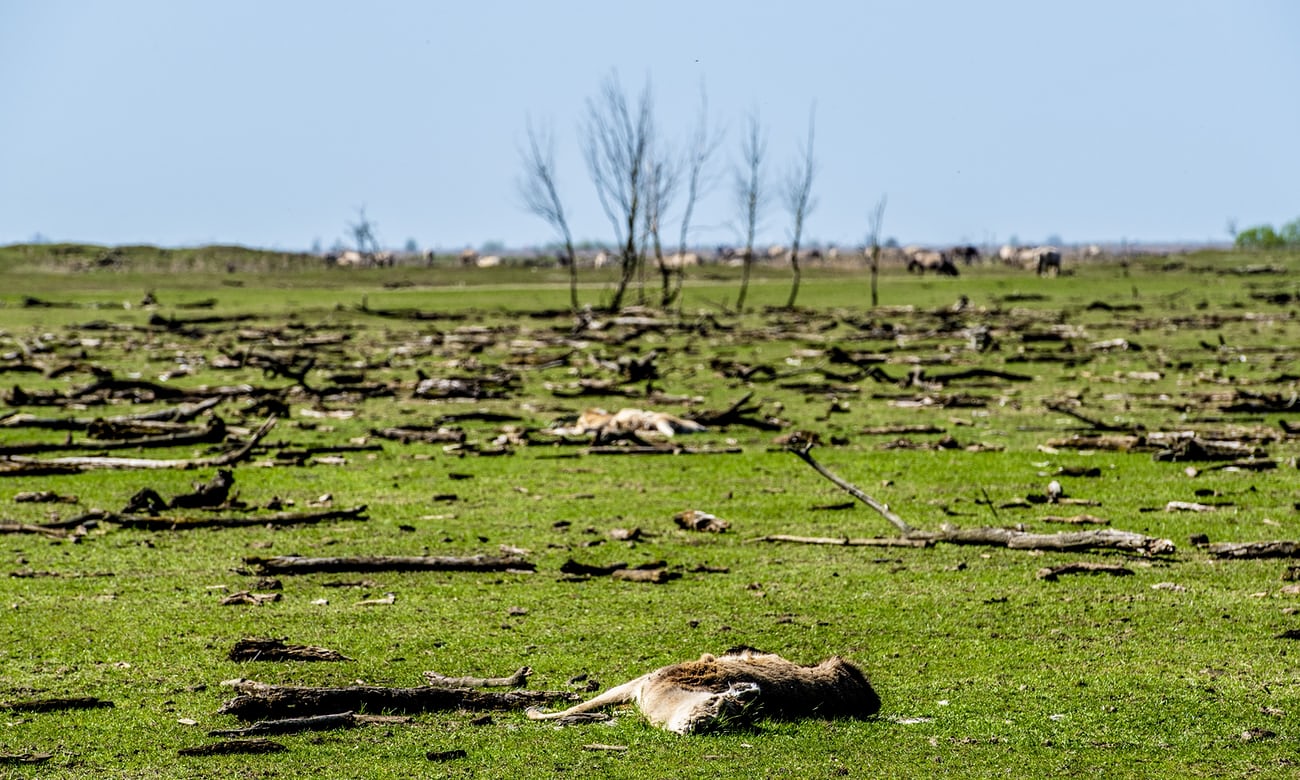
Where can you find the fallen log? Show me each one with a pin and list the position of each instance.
(1066, 541)
(176, 414)
(259, 701)
(32, 528)
(1051, 573)
(293, 564)
(517, 680)
(96, 462)
(801, 445)
(260, 649)
(186, 523)
(213, 433)
(337, 720)
(24, 758)
(846, 541)
(233, 747)
(1092, 422)
(1242, 550)
(57, 704)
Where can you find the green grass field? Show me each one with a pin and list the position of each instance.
(984, 669)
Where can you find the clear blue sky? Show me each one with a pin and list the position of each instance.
(270, 123)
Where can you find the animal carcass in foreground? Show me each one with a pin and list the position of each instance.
(626, 422)
(731, 689)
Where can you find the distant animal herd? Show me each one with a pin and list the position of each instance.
(1044, 260)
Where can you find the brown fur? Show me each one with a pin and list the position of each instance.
(716, 691)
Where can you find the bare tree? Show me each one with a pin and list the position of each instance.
(537, 189)
(617, 147)
(660, 185)
(874, 221)
(751, 198)
(363, 234)
(799, 201)
(698, 182)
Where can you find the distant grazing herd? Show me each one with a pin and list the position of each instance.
(1044, 260)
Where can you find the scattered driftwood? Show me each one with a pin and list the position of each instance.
(421, 433)
(1197, 449)
(55, 704)
(900, 430)
(1243, 550)
(655, 572)
(213, 433)
(517, 680)
(186, 523)
(801, 446)
(337, 720)
(249, 598)
(260, 649)
(1066, 541)
(259, 701)
(1084, 519)
(654, 576)
(1092, 422)
(42, 497)
(887, 541)
(233, 747)
(742, 412)
(1051, 573)
(292, 564)
(9, 759)
(105, 462)
(32, 528)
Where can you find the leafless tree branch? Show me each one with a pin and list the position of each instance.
(874, 221)
(751, 196)
(618, 141)
(540, 196)
(799, 201)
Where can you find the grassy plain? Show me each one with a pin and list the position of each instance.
(984, 669)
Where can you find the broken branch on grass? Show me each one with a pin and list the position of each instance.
(32, 528)
(233, 747)
(293, 564)
(262, 649)
(1051, 573)
(1242, 550)
(844, 541)
(185, 523)
(801, 445)
(1092, 422)
(337, 720)
(57, 704)
(96, 462)
(259, 701)
(517, 680)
